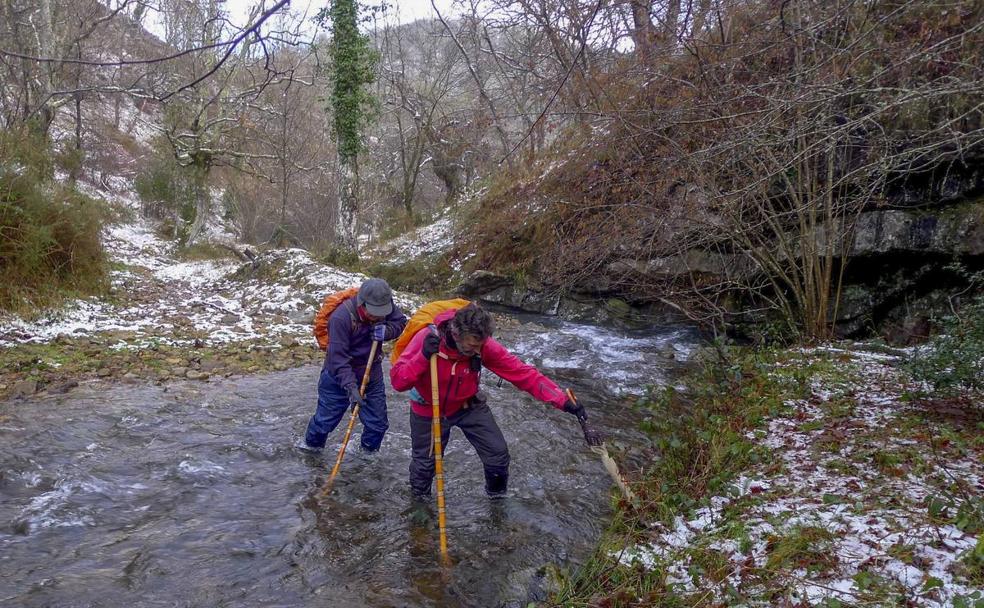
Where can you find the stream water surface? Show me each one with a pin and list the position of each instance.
(191, 494)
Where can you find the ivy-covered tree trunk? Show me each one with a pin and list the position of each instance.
(353, 64)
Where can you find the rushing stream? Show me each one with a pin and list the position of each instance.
(190, 494)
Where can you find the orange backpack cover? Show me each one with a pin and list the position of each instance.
(421, 319)
(331, 302)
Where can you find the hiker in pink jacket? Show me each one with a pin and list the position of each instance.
(462, 340)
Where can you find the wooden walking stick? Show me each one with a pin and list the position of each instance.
(606, 459)
(438, 459)
(351, 424)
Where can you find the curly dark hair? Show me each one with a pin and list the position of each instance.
(473, 320)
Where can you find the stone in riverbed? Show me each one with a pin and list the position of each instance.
(24, 388)
(303, 317)
(63, 387)
(210, 365)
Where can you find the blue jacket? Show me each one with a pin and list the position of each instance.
(350, 339)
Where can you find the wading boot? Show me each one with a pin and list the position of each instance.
(496, 485)
(302, 445)
(419, 511)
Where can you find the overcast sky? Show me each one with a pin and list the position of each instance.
(405, 10)
(398, 11)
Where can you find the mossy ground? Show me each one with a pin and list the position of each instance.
(800, 477)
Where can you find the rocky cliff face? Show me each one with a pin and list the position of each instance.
(594, 303)
(899, 275)
(954, 231)
(902, 273)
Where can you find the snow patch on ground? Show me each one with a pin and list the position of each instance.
(424, 241)
(846, 475)
(196, 274)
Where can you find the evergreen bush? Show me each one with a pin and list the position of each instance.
(49, 232)
(954, 359)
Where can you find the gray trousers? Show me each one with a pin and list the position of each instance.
(479, 428)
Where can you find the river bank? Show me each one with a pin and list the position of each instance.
(808, 476)
(168, 318)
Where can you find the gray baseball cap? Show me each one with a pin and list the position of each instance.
(376, 296)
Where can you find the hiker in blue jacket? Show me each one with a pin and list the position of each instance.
(352, 327)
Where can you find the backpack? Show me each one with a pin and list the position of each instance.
(421, 319)
(331, 302)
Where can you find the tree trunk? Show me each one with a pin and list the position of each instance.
(77, 164)
(671, 25)
(643, 31)
(348, 204)
(408, 207)
(284, 162)
(46, 47)
(203, 199)
(78, 122)
(699, 18)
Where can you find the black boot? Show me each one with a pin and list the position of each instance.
(419, 511)
(496, 484)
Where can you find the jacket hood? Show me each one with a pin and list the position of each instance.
(445, 315)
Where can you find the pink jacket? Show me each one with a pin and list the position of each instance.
(455, 379)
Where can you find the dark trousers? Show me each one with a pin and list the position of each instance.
(479, 428)
(333, 403)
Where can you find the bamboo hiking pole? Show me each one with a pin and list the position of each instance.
(606, 460)
(438, 459)
(351, 424)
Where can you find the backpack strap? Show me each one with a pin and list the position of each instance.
(353, 314)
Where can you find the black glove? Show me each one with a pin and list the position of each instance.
(577, 409)
(355, 399)
(591, 436)
(432, 344)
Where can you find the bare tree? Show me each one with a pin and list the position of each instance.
(287, 134)
(472, 25)
(63, 33)
(421, 73)
(737, 174)
(205, 116)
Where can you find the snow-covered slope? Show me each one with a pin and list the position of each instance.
(424, 241)
(158, 299)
